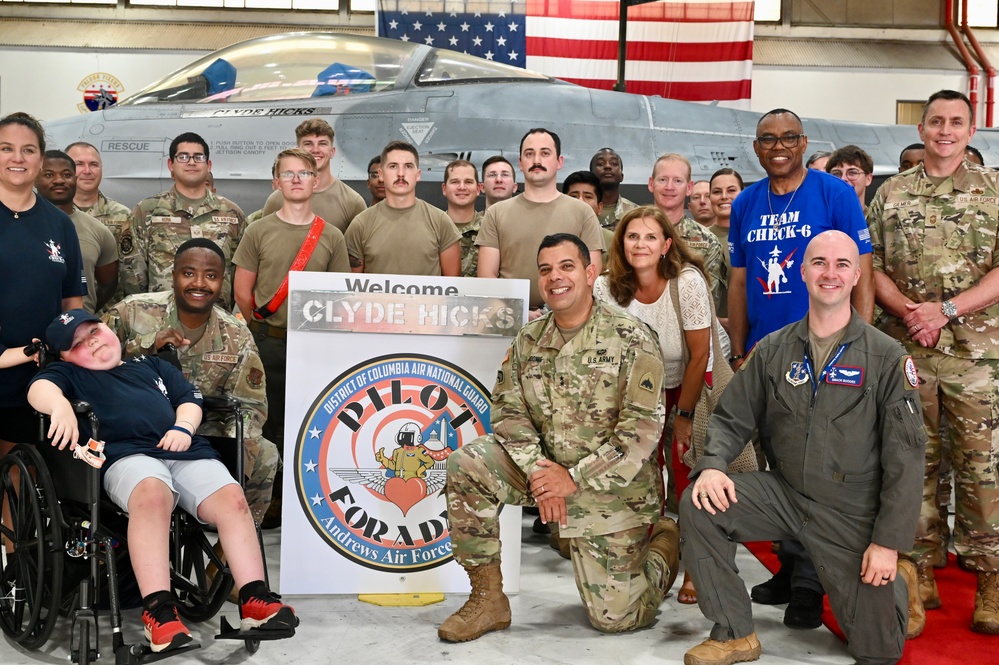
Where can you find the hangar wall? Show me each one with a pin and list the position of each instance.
(864, 95)
(50, 83)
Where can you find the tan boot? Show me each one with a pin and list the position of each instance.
(986, 617)
(486, 609)
(713, 652)
(928, 587)
(917, 615)
(665, 543)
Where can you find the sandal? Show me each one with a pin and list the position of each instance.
(687, 593)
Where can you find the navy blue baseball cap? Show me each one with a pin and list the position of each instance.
(59, 334)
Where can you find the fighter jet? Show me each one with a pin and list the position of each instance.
(247, 99)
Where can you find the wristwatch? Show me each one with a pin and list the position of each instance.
(689, 415)
(948, 308)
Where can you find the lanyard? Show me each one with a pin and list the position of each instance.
(825, 370)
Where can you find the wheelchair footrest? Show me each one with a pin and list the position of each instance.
(229, 632)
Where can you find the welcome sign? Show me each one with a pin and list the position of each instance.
(388, 376)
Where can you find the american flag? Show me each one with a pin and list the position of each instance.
(694, 50)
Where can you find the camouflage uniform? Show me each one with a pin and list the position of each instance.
(706, 245)
(115, 216)
(469, 252)
(936, 242)
(162, 223)
(609, 217)
(112, 214)
(593, 405)
(223, 362)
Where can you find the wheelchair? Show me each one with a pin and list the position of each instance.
(58, 522)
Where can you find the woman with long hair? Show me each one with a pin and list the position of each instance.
(726, 184)
(41, 271)
(647, 255)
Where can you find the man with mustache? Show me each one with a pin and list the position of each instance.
(216, 352)
(771, 225)
(403, 235)
(512, 230)
(56, 183)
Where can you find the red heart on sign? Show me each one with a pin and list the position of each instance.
(405, 493)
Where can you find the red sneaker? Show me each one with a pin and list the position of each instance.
(165, 630)
(267, 612)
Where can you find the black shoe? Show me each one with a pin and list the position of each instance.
(805, 609)
(776, 590)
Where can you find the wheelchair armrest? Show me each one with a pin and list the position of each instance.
(79, 406)
(220, 403)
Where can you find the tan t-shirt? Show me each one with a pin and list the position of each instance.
(269, 247)
(338, 204)
(401, 241)
(98, 246)
(517, 226)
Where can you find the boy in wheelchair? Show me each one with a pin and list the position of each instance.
(148, 414)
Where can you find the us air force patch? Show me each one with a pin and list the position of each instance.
(797, 375)
(911, 375)
(371, 459)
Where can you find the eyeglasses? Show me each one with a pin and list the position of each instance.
(185, 157)
(850, 174)
(372, 175)
(768, 141)
(496, 175)
(290, 175)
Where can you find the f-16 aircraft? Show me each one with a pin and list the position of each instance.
(247, 99)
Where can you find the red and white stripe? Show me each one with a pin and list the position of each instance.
(694, 50)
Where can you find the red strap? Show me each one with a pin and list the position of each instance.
(304, 254)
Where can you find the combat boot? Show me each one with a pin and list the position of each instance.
(486, 609)
(917, 615)
(928, 587)
(665, 543)
(986, 617)
(713, 652)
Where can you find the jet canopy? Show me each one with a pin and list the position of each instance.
(316, 64)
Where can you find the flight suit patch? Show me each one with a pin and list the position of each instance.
(911, 375)
(797, 375)
(845, 375)
(126, 244)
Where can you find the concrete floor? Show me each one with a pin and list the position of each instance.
(549, 626)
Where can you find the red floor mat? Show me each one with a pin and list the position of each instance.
(947, 639)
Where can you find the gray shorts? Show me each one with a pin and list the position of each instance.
(190, 481)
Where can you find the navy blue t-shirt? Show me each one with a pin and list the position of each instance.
(135, 403)
(40, 264)
(768, 237)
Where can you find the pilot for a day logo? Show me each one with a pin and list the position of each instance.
(100, 91)
(371, 456)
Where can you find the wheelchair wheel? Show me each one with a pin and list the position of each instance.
(200, 594)
(82, 656)
(31, 563)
